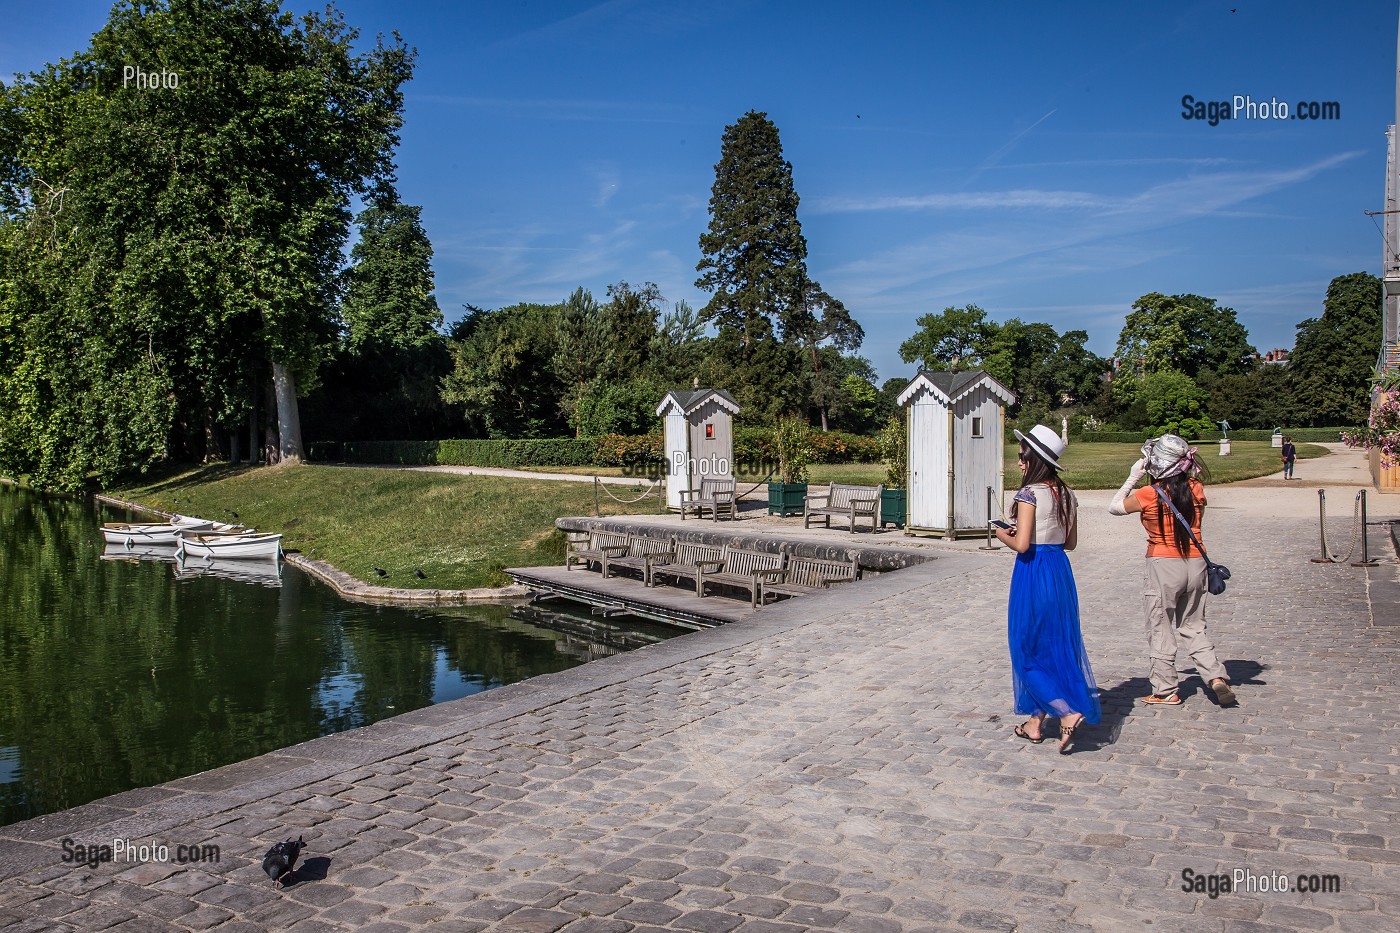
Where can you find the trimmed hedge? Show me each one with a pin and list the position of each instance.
(1113, 437)
(752, 447)
(1299, 435)
(554, 451)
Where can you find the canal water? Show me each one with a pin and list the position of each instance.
(121, 670)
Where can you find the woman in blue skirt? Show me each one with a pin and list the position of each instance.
(1050, 673)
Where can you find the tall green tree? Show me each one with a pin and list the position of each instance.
(581, 350)
(1334, 356)
(389, 301)
(383, 381)
(753, 256)
(1185, 333)
(956, 336)
(825, 330)
(179, 248)
(503, 371)
(628, 323)
(678, 346)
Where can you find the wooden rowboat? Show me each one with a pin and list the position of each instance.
(131, 534)
(219, 545)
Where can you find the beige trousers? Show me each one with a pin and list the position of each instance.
(1174, 593)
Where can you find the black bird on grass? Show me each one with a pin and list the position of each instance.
(379, 571)
(419, 574)
(281, 860)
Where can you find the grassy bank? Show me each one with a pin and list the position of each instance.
(461, 531)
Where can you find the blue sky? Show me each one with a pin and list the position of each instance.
(1030, 158)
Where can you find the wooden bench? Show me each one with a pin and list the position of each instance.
(848, 502)
(642, 553)
(717, 495)
(804, 575)
(600, 546)
(739, 568)
(684, 562)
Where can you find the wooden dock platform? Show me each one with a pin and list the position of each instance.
(618, 595)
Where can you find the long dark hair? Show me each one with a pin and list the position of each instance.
(1178, 489)
(1039, 470)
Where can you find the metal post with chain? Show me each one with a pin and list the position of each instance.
(1357, 529)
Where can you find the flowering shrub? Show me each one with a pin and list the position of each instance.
(629, 450)
(1382, 429)
(840, 447)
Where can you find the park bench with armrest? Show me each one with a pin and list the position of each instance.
(717, 495)
(684, 562)
(600, 546)
(642, 553)
(739, 568)
(804, 575)
(843, 501)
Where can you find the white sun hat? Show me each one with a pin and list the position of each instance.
(1044, 442)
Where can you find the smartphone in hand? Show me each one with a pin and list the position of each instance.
(1003, 525)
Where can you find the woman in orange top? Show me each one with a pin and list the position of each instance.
(1175, 589)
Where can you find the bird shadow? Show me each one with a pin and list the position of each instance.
(313, 869)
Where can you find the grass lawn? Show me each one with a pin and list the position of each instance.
(1099, 466)
(461, 531)
(1105, 466)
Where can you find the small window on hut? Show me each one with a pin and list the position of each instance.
(709, 432)
(976, 427)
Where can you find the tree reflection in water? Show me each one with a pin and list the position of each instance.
(117, 674)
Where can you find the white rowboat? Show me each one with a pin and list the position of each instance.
(218, 545)
(131, 534)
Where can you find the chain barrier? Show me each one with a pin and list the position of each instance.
(656, 486)
(604, 486)
(762, 482)
(1357, 530)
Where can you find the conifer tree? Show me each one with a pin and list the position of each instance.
(754, 257)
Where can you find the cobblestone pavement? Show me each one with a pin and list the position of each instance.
(844, 763)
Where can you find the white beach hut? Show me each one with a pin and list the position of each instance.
(699, 441)
(957, 437)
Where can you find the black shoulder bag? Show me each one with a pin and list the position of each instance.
(1216, 574)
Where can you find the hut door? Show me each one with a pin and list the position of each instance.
(677, 458)
(928, 465)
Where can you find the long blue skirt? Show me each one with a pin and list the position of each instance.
(1050, 671)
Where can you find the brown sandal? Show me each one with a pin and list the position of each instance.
(1162, 699)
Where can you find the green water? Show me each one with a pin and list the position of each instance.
(125, 673)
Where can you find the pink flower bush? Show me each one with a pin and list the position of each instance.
(1382, 430)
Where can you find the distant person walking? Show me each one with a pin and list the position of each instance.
(1050, 674)
(1290, 453)
(1175, 588)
